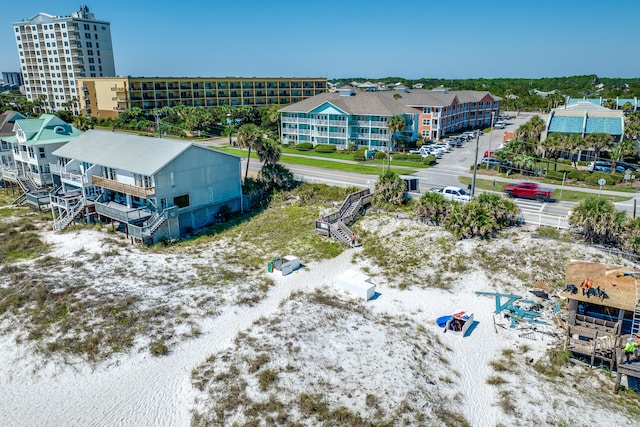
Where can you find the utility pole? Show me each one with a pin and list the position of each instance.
(475, 165)
(490, 137)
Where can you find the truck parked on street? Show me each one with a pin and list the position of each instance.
(528, 190)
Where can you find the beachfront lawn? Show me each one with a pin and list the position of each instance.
(371, 167)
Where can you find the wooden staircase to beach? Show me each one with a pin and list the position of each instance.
(336, 224)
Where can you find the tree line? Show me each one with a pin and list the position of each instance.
(519, 93)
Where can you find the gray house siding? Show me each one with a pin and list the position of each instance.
(209, 178)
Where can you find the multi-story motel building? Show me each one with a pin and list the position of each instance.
(54, 51)
(106, 97)
(351, 117)
(444, 112)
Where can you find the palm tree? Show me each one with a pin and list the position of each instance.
(269, 152)
(598, 141)
(537, 127)
(623, 148)
(433, 206)
(394, 125)
(230, 130)
(553, 146)
(524, 162)
(470, 219)
(274, 116)
(632, 229)
(277, 176)
(632, 126)
(504, 210)
(390, 188)
(249, 137)
(599, 220)
(573, 143)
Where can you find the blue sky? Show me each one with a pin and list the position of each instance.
(362, 38)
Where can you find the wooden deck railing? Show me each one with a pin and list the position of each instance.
(133, 190)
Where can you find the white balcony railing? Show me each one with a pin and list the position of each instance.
(72, 177)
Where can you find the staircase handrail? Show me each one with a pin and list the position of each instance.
(363, 195)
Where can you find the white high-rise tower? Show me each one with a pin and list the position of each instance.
(54, 51)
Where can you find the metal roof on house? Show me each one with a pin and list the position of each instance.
(138, 154)
(47, 129)
(586, 117)
(362, 103)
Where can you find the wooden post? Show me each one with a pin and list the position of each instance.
(593, 349)
(617, 386)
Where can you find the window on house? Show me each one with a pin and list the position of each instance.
(181, 201)
(43, 155)
(143, 180)
(109, 173)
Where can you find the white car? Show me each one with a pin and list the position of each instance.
(500, 124)
(456, 194)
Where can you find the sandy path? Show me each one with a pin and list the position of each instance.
(140, 390)
(426, 305)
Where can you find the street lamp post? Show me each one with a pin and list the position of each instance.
(229, 124)
(491, 137)
(475, 166)
(158, 115)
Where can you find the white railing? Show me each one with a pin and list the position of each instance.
(549, 220)
(71, 177)
(295, 120)
(337, 134)
(376, 124)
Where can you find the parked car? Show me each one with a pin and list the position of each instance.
(603, 166)
(500, 124)
(528, 190)
(455, 194)
(627, 166)
(470, 134)
(492, 161)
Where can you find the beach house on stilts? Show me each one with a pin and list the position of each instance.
(604, 312)
(150, 188)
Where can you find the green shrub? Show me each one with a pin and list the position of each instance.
(594, 177)
(304, 146)
(159, 348)
(583, 163)
(401, 156)
(430, 160)
(564, 161)
(380, 155)
(325, 148)
(359, 156)
(555, 175)
(415, 157)
(577, 175)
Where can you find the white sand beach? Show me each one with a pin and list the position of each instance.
(388, 347)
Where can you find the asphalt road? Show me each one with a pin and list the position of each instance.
(447, 172)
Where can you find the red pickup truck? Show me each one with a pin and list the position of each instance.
(528, 190)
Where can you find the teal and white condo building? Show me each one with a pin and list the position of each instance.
(345, 117)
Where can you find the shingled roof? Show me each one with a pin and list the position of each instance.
(361, 103)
